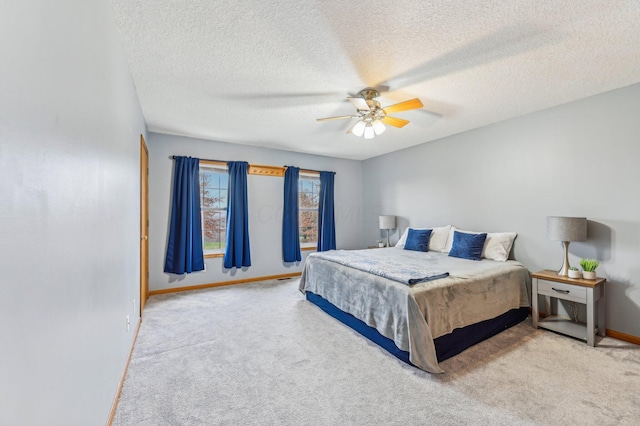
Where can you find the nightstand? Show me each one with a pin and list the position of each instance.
(588, 292)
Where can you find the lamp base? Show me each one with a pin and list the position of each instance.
(564, 270)
(388, 238)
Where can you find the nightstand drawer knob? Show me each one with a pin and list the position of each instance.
(560, 291)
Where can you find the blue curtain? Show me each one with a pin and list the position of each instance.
(290, 229)
(184, 248)
(237, 253)
(326, 218)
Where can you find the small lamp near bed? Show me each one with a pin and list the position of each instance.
(387, 222)
(566, 229)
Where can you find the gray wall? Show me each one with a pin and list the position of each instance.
(578, 159)
(265, 195)
(70, 126)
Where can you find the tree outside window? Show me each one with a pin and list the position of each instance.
(213, 206)
(308, 198)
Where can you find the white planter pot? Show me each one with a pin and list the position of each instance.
(574, 273)
(589, 275)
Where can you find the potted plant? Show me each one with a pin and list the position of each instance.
(574, 272)
(589, 268)
(380, 243)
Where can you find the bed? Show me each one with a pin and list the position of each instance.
(426, 322)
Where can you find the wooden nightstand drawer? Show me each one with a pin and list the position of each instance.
(563, 291)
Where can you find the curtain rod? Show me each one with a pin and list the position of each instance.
(310, 170)
(173, 157)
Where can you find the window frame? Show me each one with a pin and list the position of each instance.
(309, 175)
(220, 167)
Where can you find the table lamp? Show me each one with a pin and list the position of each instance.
(387, 222)
(566, 229)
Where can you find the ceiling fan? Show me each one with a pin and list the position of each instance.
(371, 115)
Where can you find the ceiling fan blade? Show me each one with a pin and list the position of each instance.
(360, 104)
(403, 106)
(395, 122)
(342, 117)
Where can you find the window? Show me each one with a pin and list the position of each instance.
(214, 179)
(308, 198)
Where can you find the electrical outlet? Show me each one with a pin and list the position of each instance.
(128, 322)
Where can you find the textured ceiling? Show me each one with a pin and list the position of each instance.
(260, 72)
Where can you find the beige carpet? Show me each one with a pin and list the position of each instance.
(260, 354)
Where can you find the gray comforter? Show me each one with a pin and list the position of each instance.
(412, 316)
(406, 273)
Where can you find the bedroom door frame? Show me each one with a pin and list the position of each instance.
(144, 224)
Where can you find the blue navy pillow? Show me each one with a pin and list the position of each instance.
(467, 246)
(418, 239)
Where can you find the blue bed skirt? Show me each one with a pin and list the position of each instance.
(446, 346)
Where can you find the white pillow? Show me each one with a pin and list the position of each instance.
(497, 246)
(437, 241)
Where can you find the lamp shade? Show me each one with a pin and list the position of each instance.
(561, 228)
(358, 128)
(378, 127)
(387, 222)
(369, 133)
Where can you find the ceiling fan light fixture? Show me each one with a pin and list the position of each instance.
(378, 127)
(369, 133)
(372, 117)
(358, 128)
